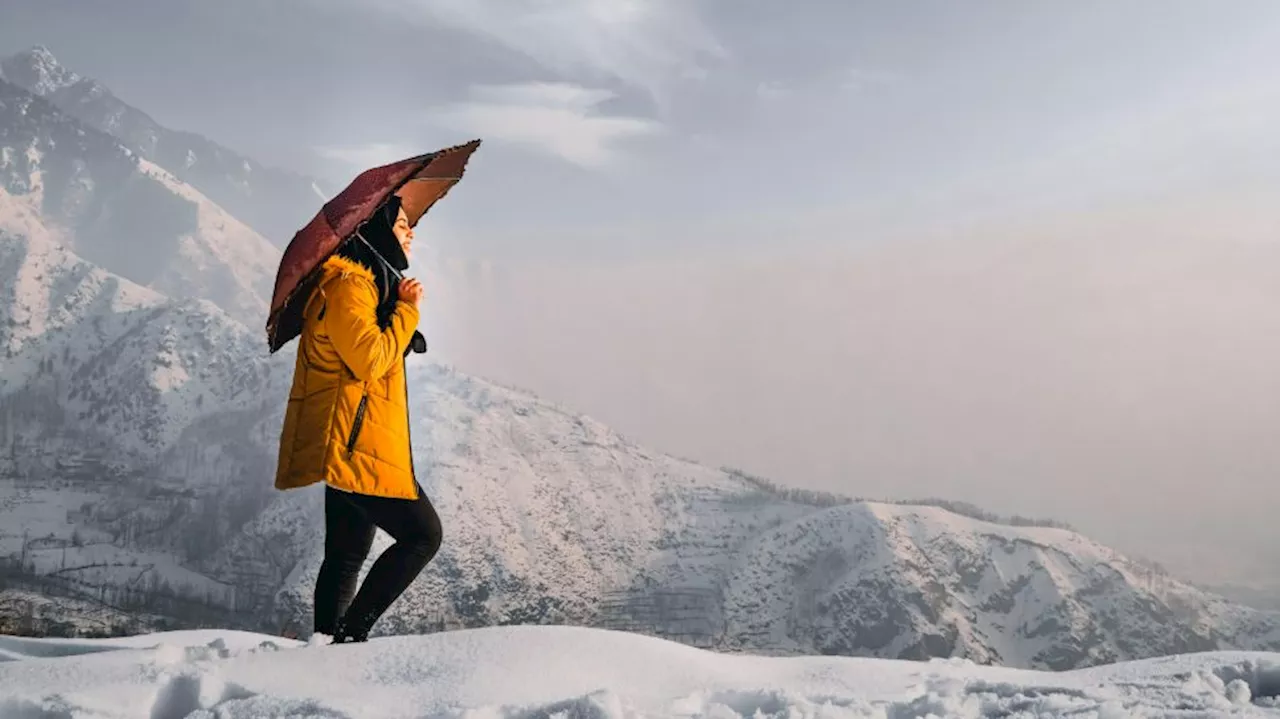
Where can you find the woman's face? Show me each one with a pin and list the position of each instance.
(403, 232)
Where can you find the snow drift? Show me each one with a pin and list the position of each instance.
(513, 672)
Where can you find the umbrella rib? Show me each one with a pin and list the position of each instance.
(384, 261)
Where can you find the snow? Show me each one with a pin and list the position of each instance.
(214, 255)
(133, 365)
(47, 286)
(39, 519)
(20, 214)
(522, 671)
(41, 71)
(224, 260)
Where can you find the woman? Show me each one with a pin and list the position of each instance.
(347, 425)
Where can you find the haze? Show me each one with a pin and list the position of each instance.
(1023, 255)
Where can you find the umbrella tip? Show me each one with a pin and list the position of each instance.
(465, 149)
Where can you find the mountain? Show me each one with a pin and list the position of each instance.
(274, 202)
(141, 437)
(63, 181)
(122, 412)
(120, 359)
(550, 517)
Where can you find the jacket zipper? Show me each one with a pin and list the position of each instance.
(355, 426)
(408, 429)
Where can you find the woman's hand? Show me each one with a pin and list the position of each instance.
(410, 290)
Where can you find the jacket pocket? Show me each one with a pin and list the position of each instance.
(355, 426)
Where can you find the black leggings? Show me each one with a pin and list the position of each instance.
(349, 524)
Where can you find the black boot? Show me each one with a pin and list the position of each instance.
(351, 631)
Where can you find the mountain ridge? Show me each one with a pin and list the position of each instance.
(69, 183)
(550, 516)
(275, 202)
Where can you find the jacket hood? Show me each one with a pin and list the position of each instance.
(337, 265)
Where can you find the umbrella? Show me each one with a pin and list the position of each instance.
(419, 181)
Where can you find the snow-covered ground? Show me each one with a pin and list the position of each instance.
(572, 672)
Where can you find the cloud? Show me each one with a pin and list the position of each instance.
(645, 44)
(559, 119)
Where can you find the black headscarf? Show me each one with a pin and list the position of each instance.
(382, 250)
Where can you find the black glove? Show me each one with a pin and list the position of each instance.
(417, 344)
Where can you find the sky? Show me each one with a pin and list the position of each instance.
(1020, 254)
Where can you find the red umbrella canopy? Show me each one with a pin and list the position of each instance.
(419, 181)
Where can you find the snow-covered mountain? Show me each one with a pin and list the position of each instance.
(114, 357)
(550, 517)
(915, 582)
(63, 181)
(275, 202)
(103, 384)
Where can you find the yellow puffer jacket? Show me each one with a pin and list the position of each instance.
(347, 421)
